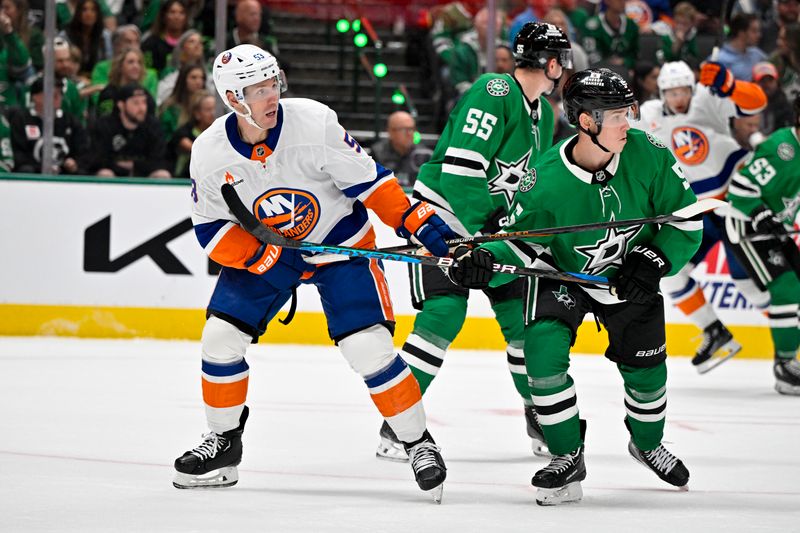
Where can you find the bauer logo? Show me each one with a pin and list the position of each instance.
(689, 145)
(294, 213)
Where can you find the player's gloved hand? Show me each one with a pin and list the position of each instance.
(638, 278)
(473, 268)
(717, 78)
(281, 267)
(497, 219)
(762, 219)
(421, 222)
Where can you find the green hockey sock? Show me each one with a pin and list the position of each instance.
(782, 314)
(645, 403)
(509, 315)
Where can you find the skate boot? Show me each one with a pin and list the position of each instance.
(717, 347)
(787, 376)
(560, 481)
(538, 444)
(429, 469)
(666, 466)
(390, 448)
(213, 463)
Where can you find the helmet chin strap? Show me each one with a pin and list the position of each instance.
(249, 116)
(593, 136)
(554, 80)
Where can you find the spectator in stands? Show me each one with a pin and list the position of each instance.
(15, 62)
(188, 51)
(503, 59)
(176, 109)
(649, 15)
(65, 12)
(32, 37)
(248, 24)
(745, 131)
(128, 142)
(69, 136)
(680, 44)
(787, 59)
(786, 12)
(6, 151)
(73, 102)
(535, 12)
(612, 36)
(86, 31)
(398, 151)
(577, 16)
(203, 113)
(778, 113)
(562, 129)
(172, 22)
(645, 81)
(580, 60)
(124, 37)
(740, 53)
(126, 68)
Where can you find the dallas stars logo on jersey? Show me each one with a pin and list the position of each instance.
(564, 297)
(508, 177)
(608, 251)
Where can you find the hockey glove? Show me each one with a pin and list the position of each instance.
(422, 223)
(762, 219)
(280, 267)
(473, 268)
(640, 274)
(497, 219)
(717, 78)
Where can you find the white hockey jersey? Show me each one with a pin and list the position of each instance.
(700, 140)
(309, 180)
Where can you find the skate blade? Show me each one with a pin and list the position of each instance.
(540, 448)
(569, 493)
(785, 388)
(391, 451)
(436, 494)
(224, 477)
(725, 352)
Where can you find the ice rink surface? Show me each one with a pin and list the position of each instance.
(91, 428)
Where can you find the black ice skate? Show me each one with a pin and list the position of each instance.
(429, 469)
(787, 376)
(390, 448)
(666, 466)
(538, 444)
(213, 463)
(560, 481)
(717, 347)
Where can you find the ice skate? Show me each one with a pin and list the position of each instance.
(390, 448)
(429, 469)
(538, 444)
(560, 481)
(213, 463)
(666, 466)
(787, 376)
(717, 347)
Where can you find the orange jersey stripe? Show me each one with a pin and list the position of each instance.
(382, 288)
(399, 398)
(693, 302)
(750, 97)
(225, 394)
(235, 247)
(389, 202)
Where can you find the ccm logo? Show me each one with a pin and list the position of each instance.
(650, 254)
(654, 351)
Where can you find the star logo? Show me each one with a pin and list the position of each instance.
(608, 251)
(564, 297)
(790, 206)
(509, 176)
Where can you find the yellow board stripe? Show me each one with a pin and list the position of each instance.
(310, 328)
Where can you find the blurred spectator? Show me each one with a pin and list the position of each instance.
(580, 60)
(503, 60)
(128, 142)
(15, 62)
(172, 22)
(778, 113)
(535, 12)
(680, 44)
(649, 15)
(787, 12)
(787, 59)
(65, 12)
(6, 151)
(577, 16)
(32, 37)
(248, 24)
(73, 101)
(745, 131)
(398, 152)
(612, 36)
(645, 81)
(86, 31)
(69, 136)
(176, 109)
(562, 129)
(203, 113)
(740, 53)
(126, 68)
(188, 51)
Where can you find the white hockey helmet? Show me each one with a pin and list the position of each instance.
(675, 74)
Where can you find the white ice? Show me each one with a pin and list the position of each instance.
(90, 430)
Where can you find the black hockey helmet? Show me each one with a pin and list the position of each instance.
(595, 90)
(537, 42)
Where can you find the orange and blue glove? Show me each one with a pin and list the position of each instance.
(280, 267)
(717, 78)
(421, 222)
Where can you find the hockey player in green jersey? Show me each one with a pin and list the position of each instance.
(492, 139)
(765, 196)
(606, 172)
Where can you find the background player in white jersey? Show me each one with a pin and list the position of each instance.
(693, 120)
(306, 178)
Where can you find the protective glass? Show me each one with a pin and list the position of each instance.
(265, 91)
(616, 117)
(565, 59)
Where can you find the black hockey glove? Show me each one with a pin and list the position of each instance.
(641, 271)
(497, 219)
(762, 219)
(473, 269)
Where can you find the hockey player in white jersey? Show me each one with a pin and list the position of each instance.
(693, 120)
(304, 176)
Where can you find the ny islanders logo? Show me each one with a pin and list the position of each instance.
(294, 213)
(689, 145)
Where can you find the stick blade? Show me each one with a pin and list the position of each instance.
(699, 207)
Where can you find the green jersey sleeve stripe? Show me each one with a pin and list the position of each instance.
(469, 155)
(460, 170)
(743, 183)
(688, 225)
(735, 190)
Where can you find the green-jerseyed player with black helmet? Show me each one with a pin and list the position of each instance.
(606, 172)
(765, 196)
(492, 139)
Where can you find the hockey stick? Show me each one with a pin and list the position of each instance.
(266, 235)
(685, 214)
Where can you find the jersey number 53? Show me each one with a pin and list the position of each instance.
(479, 123)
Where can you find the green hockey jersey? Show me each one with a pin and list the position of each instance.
(601, 41)
(771, 177)
(492, 138)
(642, 181)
